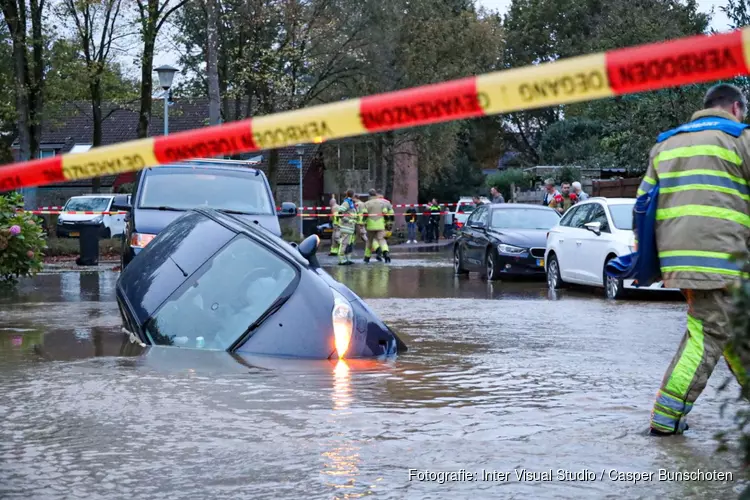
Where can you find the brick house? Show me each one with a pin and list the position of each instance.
(69, 129)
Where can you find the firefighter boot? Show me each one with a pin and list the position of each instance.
(387, 257)
(379, 255)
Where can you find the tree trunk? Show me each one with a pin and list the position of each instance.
(212, 69)
(96, 113)
(388, 168)
(147, 82)
(378, 160)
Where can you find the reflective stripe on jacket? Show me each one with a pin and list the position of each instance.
(374, 212)
(702, 216)
(336, 219)
(348, 216)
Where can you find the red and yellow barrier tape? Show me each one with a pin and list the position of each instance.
(684, 61)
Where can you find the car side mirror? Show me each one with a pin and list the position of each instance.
(594, 227)
(478, 224)
(288, 209)
(121, 207)
(308, 247)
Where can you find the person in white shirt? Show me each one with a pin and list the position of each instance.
(578, 190)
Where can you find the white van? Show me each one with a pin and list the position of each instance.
(464, 207)
(110, 225)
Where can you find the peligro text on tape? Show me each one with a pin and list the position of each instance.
(310, 125)
(435, 103)
(226, 139)
(109, 160)
(676, 63)
(570, 80)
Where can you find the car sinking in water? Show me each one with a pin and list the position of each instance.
(214, 281)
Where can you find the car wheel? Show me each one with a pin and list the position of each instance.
(458, 267)
(613, 287)
(554, 281)
(106, 233)
(491, 270)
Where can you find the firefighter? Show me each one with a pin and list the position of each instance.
(433, 223)
(348, 218)
(702, 218)
(374, 212)
(390, 218)
(360, 222)
(335, 221)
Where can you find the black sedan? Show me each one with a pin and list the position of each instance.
(215, 281)
(504, 239)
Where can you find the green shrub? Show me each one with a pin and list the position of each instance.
(21, 240)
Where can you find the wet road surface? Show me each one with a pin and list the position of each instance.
(499, 377)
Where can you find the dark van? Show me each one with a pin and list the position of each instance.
(164, 193)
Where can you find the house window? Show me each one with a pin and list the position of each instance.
(46, 153)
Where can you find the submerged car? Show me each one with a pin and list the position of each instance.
(504, 239)
(215, 281)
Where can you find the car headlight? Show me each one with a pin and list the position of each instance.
(140, 240)
(503, 248)
(343, 323)
(98, 219)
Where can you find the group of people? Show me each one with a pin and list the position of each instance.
(568, 195)
(372, 220)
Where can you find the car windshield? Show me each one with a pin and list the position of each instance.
(517, 218)
(87, 204)
(184, 189)
(466, 208)
(622, 216)
(220, 301)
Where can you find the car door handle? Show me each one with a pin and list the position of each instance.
(561, 240)
(578, 242)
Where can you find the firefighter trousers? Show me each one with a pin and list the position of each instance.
(708, 338)
(345, 246)
(377, 242)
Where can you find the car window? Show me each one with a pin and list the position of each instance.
(622, 216)
(474, 216)
(465, 208)
(94, 204)
(597, 214)
(520, 218)
(217, 304)
(185, 188)
(576, 216)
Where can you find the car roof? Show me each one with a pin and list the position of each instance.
(240, 225)
(612, 201)
(227, 165)
(507, 206)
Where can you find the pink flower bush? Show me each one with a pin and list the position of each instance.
(15, 229)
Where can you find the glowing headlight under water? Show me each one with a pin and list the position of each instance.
(343, 323)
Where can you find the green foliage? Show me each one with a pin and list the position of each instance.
(567, 174)
(503, 180)
(574, 141)
(21, 240)
(126, 188)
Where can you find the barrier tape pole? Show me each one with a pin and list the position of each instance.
(696, 59)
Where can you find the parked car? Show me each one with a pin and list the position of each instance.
(464, 207)
(110, 224)
(215, 281)
(504, 239)
(589, 235)
(164, 193)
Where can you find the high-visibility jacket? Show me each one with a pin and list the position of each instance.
(375, 211)
(347, 212)
(435, 213)
(336, 218)
(360, 210)
(702, 216)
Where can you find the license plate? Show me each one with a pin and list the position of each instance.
(73, 235)
(540, 262)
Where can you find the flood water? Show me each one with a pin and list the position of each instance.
(499, 377)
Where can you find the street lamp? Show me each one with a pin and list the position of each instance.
(300, 153)
(166, 76)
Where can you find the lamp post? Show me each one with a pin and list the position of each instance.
(300, 153)
(166, 76)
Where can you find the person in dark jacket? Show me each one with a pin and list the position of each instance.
(411, 225)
